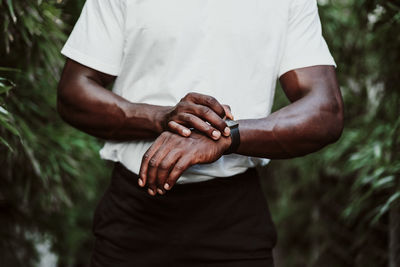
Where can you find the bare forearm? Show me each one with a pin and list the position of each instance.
(85, 104)
(289, 133)
(114, 119)
(313, 119)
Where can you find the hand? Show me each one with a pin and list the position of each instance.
(201, 112)
(171, 154)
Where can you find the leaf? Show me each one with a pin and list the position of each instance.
(4, 142)
(384, 182)
(3, 110)
(4, 88)
(5, 85)
(7, 125)
(385, 208)
(9, 69)
(11, 9)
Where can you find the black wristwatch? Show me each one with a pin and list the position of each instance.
(235, 136)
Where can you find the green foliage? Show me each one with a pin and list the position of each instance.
(50, 173)
(332, 206)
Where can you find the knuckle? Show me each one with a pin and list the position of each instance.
(181, 117)
(146, 156)
(181, 102)
(181, 105)
(188, 118)
(211, 101)
(164, 166)
(180, 167)
(153, 162)
(189, 96)
(205, 111)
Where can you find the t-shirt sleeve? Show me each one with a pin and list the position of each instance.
(97, 40)
(305, 46)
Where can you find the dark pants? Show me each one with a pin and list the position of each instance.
(219, 222)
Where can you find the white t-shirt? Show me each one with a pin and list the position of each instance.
(234, 50)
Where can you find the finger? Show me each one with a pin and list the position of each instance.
(227, 130)
(161, 191)
(166, 166)
(228, 112)
(175, 127)
(208, 101)
(181, 165)
(154, 166)
(208, 115)
(200, 125)
(145, 161)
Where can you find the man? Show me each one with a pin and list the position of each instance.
(184, 191)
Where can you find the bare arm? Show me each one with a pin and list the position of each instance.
(313, 120)
(84, 102)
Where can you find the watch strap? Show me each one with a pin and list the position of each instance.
(235, 137)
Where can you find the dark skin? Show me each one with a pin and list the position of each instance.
(85, 103)
(312, 120)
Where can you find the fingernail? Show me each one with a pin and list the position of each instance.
(227, 131)
(160, 191)
(166, 186)
(216, 134)
(140, 181)
(151, 191)
(186, 132)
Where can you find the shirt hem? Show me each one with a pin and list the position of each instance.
(88, 61)
(298, 65)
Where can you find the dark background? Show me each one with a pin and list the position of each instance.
(338, 207)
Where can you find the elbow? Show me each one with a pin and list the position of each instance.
(336, 129)
(332, 120)
(63, 108)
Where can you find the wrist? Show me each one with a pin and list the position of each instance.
(161, 119)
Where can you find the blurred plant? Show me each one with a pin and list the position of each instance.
(50, 173)
(338, 207)
(334, 205)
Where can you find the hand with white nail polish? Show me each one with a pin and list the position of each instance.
(171, 154)
(200, 112)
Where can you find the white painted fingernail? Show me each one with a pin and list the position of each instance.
(227, 131)
(140, 181)
(160, 191)
(166, 186)
(151, 192)
(186, 132)
(216, 134)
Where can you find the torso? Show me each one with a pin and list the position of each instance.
(230, 49)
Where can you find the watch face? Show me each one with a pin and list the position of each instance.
(231, 123)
